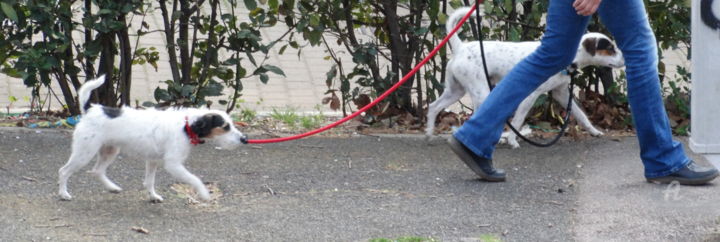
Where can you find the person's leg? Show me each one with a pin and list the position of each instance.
(663, 158)
(558, 47)
(628, 22)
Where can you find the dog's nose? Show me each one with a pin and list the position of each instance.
(244, 139)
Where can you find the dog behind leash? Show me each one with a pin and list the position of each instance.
(465, 74)
(160, 137)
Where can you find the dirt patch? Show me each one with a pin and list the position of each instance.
(186, 192)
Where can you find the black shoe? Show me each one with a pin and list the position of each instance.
(481, 166)
(692, 174)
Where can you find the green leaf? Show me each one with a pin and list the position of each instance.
(9, 11)
(294, 44)
(187, 90)
(161, 94)
(264, 78)
(314, 20)
(274, 69)
(49, 62)
(250, 57)
(211, 90)
(241, 72)
(250, 4)
(273, 4)
(104, 11)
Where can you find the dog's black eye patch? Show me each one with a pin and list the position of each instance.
(204, 125)
(604, 44)
(112, 112)
(217, 120)
(590, 45)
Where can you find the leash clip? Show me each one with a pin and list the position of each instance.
(571, 70)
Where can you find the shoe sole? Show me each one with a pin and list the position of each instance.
(683, 181)
(460, 151)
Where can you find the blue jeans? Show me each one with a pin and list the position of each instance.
(627, 20)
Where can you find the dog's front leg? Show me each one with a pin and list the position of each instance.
(519, 118)
(150, 169)
(175, 167)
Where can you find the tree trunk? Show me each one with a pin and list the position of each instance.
(184, 19)
(67, 93)
(211, 43)
(473, 26)
(125, 78)
(397, 48)
(106, 92)
(170, 39)
(416, 8)
(89, 68)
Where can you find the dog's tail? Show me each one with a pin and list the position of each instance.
(86, 89)
(452, 21)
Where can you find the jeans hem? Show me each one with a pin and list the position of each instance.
(668, 172)
(458, 135)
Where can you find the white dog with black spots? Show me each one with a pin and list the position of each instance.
(162, 138)
(465, 74)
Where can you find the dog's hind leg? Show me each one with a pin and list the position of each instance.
(174, 166)
(84, 149)
(452, 93)
(561, 94)
(150, 169)
(478, 95)
(106, 157)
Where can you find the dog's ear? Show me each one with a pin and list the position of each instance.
(590, 45)
(203, 126)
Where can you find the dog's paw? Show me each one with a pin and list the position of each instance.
(596, 133)
(429, 138)
(204, 195)
(114, 189)
(156, 199)
(65, 196)
(503, 140)
(514, 144)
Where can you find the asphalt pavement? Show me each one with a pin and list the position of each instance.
(355, 189)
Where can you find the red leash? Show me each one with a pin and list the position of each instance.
(381, 97)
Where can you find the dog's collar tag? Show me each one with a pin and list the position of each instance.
(194, 139)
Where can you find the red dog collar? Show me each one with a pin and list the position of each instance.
(194, 139)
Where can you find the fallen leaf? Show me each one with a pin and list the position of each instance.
(335, 102)
(362, 100)
(29, 179)
(140, 230)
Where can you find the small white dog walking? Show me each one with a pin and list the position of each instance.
(465, 74)
(161, 137)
